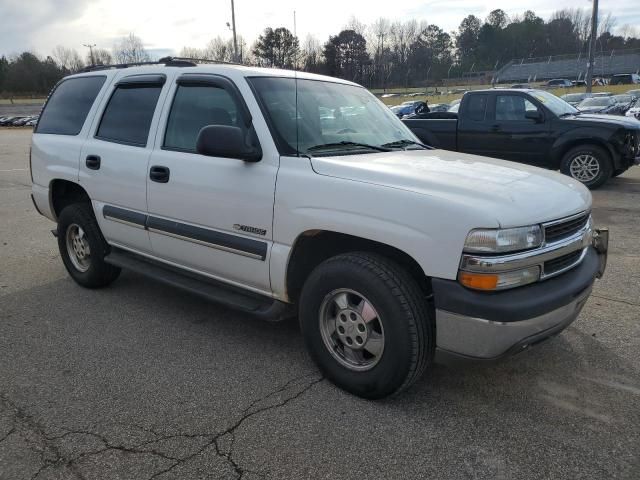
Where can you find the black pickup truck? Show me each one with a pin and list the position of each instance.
(537, 128)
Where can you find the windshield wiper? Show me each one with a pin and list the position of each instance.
(347, 144)
(402, 143)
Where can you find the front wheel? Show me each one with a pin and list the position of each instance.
(589, 164)
(366, 324)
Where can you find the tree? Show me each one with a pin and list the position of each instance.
(101, 56)
(346, 55)
(498, 19)
(311, 54)
(4, 70)
(276, 48)
(467, 40)
(130, 49)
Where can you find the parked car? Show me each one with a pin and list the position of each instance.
(634, 93)
(633, 112)
(6, 121)
(177, 181)
(439, 107)
(574, 99)
(408, 108)
(537, 128)
(520, 85)
(624, 79)
(559, 83)
(624, 101)
(602, 94)
(578, 83)
(454, 107)
(598, 105)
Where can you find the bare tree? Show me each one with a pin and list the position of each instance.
(67, 58)
(192, 52)
(311, 54)
(219, 49)
(356, 25)
(101, 56)
(130, 50)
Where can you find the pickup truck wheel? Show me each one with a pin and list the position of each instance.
(618, 172)
(83, 248)
(366, 324)
(589, 164)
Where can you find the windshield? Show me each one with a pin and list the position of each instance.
(596, 102)
(327, 114)
(558, 106)
(623, 98)
(573, 97)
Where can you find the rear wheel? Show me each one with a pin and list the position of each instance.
(83, 248)
(618, 172)
(589, 164)
(366, 324)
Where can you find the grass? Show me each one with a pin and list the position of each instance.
(22, 101)
(615, 89)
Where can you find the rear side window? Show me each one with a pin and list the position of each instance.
(68, 106)
(476, 107)
(128, 115)
(195, 107)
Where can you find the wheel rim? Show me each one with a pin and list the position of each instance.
(78, 248)
(351, 329)
(584, 167)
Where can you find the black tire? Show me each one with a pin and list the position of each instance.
(409, 330)
(618, 172)
(98, 274)
(601, 156)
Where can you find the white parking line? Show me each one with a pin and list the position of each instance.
(15, 170)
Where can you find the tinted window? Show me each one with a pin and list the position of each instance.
(476, 107)
(513, 108)
(68, 106)
(195, 107)
(128, 115)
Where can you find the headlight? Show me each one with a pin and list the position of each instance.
(499, 281)
(504, 240)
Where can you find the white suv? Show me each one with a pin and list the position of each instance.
(290, 194)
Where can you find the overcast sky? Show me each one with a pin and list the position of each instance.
(167, 26)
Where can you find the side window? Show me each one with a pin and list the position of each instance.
(195, 107)
(128, 115)
(513, 108)
(68, 106)
(476, 107)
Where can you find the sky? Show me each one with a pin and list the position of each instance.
(167, 26)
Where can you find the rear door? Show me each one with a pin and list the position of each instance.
(512, 136)
(473, 128)
(113, 162)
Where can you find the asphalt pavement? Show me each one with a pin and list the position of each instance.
(140, 381)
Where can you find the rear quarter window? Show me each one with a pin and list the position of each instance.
(476, 107)
(68, 106)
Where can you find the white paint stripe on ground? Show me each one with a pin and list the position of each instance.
(15, 170)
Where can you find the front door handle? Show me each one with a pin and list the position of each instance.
(159, 174)
(93, 162)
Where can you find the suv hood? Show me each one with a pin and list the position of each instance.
(510, 193)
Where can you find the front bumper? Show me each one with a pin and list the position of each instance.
(487, 326)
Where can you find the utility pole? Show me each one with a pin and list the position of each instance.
(90, 47)
(235, 39)
(592, 45)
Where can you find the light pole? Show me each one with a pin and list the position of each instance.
(90, 47)
(235, 40)
(592, 45)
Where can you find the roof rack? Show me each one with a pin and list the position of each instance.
(167, 61)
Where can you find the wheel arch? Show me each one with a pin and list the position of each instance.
(65, 192)
(563, 148)
(312, 247)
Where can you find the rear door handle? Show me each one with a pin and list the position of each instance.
(159, 174)
(93, 162)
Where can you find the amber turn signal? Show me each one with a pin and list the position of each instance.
(479, 281)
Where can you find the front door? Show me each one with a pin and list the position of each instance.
(211, 215)
(515, 137)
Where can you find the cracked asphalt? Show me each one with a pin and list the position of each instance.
(139, 381)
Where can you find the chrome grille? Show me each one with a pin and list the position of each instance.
(561, 263)
(560, 230)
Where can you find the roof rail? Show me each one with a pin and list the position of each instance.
(167, 61)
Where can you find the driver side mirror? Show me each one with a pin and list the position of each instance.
(534, 115)
(228, 142)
